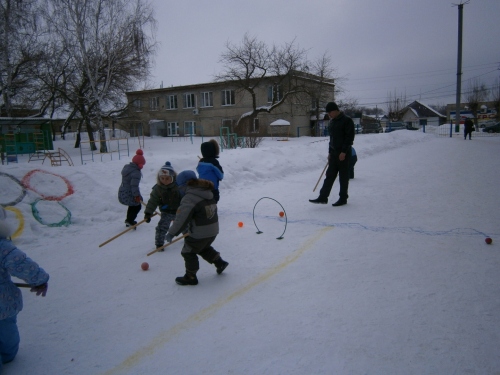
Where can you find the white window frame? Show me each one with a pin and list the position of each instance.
(172, 102)
(207, 99)
(270, 93)
(256, 125)
(188, 126)
(154, 103)
(189, 100)
(172, 129)
(228, 97)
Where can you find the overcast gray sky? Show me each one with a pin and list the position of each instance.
(383, 46)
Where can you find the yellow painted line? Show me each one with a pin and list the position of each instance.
(207, 312)
(20, 219)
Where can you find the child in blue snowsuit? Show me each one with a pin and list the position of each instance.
(13, 262)
(209, 168)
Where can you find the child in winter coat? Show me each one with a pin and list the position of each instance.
(13, 262)
(165, 194)
(129, 193)
(209, 168)
(198, 213)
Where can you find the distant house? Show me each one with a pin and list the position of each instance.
(418, 114)
(213, 109)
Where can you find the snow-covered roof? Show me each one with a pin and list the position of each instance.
(422, 110)
(279, 122)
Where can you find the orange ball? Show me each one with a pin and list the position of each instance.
(240, 224)
(145, 266)
(282, 214)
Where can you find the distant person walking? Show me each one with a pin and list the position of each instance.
(468, 128)
(341, 130)
(352, 162)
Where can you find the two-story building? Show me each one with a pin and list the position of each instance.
(213, 109)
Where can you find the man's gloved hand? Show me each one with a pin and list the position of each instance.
(138, 199)
(169, 237)
(40, 289)
(147, 218)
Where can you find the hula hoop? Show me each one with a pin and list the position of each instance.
(23, 190)
(253, 215)
(19, 217)
(36, 214)
(26, 183)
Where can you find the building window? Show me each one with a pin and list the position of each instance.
(189, 127)
(172, 102)
(274, 93)
(255, 125)
(154, 103)
(207, 99)
(228, 125)
(172, 129)
(137, 104)
(228, 97)
(189, 100)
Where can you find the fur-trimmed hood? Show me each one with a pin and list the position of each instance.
(200, 183)
(210, 149)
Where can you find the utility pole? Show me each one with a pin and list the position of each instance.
(459, 64)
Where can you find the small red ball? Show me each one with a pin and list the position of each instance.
(145, 266)
(240, 224)
(488, 240)
(282, 214)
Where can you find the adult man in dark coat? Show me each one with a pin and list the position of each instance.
(468, 128)
(341, 130)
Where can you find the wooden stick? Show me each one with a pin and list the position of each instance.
(324, 169)
(21, 285)
(156, 212)
(168, 244)
(125, 231)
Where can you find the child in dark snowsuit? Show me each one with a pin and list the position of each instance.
(209, 168)
(129, 193)
(198, 213)
(165, 194)
(13, 262)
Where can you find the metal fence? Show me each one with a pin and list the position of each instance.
(454, 131)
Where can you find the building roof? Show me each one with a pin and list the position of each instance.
(20, 121)
(421, 110)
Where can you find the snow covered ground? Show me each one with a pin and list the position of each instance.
(398, 281)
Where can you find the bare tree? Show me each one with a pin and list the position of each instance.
(395, 103)
(253, 65)
(19, 49)
(476, 94)
(110, 44)
(439, 107)
(495, 98)
(321, 89)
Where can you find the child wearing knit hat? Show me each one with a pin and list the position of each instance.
(129, 193)
(165, 195)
